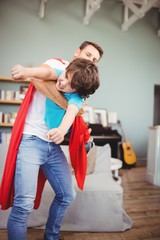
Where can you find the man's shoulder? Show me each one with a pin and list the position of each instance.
(57, 63)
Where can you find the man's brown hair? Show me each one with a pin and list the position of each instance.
(86, 43)
(84, 76)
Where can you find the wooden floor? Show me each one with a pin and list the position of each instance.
(141, 202)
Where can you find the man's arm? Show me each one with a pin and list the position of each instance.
(49, 90)
(57, 134)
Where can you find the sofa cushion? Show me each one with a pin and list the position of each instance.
(91, 159)
(103, 159)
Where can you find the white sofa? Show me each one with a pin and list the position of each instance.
(98, 208)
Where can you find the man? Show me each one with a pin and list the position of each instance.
(29, 146)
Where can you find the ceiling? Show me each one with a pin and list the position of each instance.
(133, 11)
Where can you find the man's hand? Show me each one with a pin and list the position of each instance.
(56, 135)
(19, 72)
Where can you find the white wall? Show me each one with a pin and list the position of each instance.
(130, 66)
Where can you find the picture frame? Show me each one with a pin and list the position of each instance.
(88, 114)
(100, 116)
(22, 92)
(112, 118)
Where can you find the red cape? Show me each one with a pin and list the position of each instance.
(79, 136)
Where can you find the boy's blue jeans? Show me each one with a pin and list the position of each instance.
(35, 153)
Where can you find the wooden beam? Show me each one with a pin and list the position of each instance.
(91, 7)
(138, 12)
(42, 8)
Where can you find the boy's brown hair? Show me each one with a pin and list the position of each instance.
(84, 75)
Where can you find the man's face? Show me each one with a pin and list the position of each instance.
(89, 52)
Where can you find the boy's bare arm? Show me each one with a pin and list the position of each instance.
(38, 77)
(57, 134)
(43, 72)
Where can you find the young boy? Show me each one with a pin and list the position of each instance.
(77, 82)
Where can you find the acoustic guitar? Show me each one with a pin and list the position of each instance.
(129, 155)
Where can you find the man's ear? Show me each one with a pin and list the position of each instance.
(77, 52)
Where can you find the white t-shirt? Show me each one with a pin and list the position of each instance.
(35, 124)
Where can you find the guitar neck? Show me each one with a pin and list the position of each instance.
(122, 130)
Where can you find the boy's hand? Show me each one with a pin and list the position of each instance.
(56, 135)
(19, 72)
